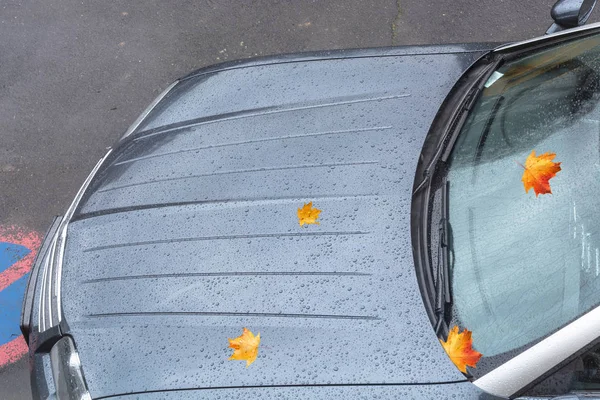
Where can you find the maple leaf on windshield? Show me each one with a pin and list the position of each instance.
(538, 172)
(308, 215)
(459, 347)
(245, 347)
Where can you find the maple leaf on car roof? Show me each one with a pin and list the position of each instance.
(308, 215)
(245, 347)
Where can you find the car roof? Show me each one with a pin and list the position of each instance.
(189, 232)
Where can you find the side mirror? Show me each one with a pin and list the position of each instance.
(570, 14)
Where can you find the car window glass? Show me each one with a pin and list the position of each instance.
(525, 266)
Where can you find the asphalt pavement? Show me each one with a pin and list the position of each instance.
(75, 74)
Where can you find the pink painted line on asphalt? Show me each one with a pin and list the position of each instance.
(16, 348)
(16, 271)
(12, 351)
(31, 240)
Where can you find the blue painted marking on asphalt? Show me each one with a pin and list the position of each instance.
(10, 253)
(11, 299)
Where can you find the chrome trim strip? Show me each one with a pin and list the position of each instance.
(32, 297)
(148, 110)
(550, 36)
(41, 313)
(57, 275)
(62, 239)
(515, 374)
(47, 309)
(50, 299)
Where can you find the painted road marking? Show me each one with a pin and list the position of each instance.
(10, 254)
(17, 252)
(11, 300)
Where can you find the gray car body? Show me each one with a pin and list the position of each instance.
(188, 233)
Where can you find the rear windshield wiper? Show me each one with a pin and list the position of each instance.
(443, 295)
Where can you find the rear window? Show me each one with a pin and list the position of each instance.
(524, 266)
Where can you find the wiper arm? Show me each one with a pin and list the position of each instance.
(443, 295)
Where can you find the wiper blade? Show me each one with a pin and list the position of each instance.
(443, 295)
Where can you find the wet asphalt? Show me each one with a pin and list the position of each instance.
(74, 74)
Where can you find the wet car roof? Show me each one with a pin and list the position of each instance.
(190, 232)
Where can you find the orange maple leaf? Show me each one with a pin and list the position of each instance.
(308, 215)
(460, 350)
(245, 347)
(538, 172)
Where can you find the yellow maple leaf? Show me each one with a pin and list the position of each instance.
(245, 347)
(538, 172)
(459, 347)
(308, 215)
